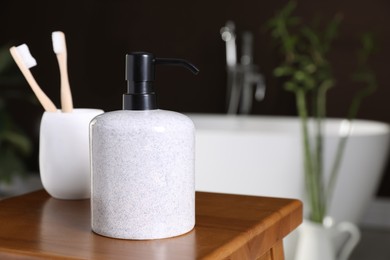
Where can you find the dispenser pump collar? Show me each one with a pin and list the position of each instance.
(140, 67)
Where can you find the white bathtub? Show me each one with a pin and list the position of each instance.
(260, 155)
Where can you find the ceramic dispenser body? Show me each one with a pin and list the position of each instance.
(142, 174)
(142, 164)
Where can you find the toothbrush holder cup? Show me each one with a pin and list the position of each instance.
(64, 153)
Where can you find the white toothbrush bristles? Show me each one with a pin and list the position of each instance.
(25, 54)
(25, 60)
(58, 39)
(59, 47)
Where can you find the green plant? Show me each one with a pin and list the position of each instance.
(15, 146)
(307, 72)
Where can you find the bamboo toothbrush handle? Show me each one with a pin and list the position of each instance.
(66, 95)
(47, 104)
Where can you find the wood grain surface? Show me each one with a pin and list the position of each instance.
(36, 226)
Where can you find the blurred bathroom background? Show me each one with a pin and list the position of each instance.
(100, 32)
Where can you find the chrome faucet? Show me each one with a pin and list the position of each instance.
(241, 77)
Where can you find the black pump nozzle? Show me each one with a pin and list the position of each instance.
(140, 76)
(178, 62)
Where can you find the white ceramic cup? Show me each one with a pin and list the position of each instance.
(64, 153)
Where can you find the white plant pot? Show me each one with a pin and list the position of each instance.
(317, 241)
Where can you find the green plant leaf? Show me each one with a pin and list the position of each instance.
(283, 71)
(19, 141)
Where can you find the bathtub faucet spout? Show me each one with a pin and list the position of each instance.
(244, 81)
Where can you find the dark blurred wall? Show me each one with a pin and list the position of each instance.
(100, 33)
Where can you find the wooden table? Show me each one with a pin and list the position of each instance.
(36, 226)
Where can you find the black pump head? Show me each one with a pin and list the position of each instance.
(140, 76)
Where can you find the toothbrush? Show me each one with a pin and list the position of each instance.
(25, 61)
(59, 47)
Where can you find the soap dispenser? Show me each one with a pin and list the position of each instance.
(142, 161)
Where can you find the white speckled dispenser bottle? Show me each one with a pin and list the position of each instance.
(142, 162)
